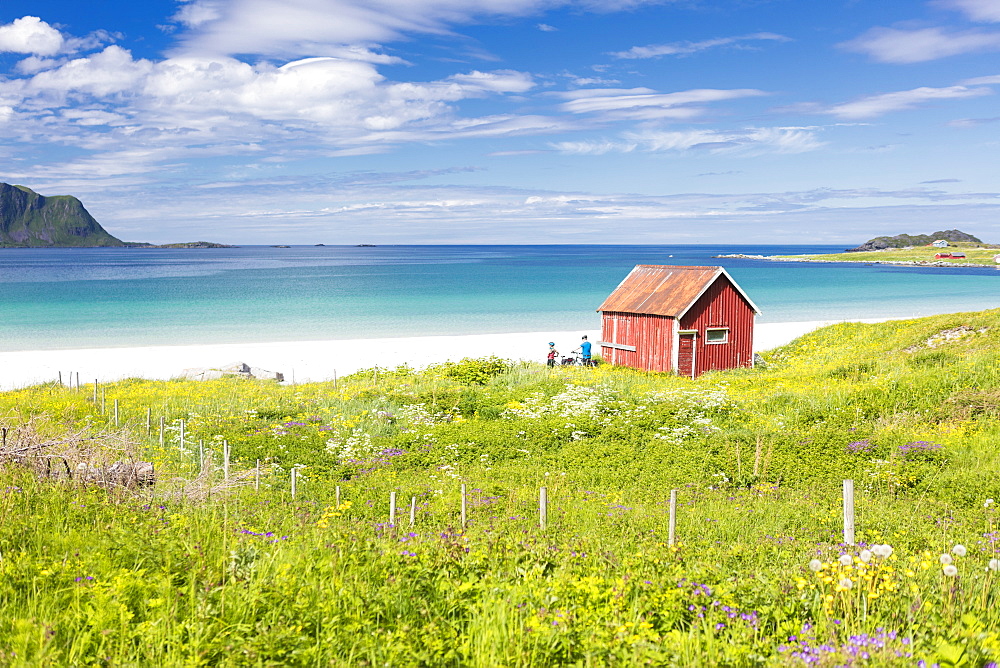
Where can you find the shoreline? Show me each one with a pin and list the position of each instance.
(309, 361)
(816, 260)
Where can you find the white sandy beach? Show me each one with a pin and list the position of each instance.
(310, 360)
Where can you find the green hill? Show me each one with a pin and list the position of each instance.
(908, 240)
(28, 219)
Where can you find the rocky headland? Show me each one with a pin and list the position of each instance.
(30, 220)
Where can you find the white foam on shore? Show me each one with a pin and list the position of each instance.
(312, 360)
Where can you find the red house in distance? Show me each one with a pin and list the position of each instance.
(688, 320)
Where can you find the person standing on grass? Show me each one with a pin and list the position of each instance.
(584, 351)
(551, 359)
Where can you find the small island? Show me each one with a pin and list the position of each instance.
(949, 248)
(186, 244)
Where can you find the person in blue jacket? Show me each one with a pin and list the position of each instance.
(585, 352)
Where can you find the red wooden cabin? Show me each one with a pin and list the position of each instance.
(683, 319)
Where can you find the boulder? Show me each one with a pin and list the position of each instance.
(238, 369)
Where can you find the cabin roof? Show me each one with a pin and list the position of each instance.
(656, 289)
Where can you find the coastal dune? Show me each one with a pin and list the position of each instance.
(303, 361)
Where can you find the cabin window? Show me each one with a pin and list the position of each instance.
(717, 335)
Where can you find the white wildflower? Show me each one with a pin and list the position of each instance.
(882, 551)
(959, 551)
(950, 570)
(815, 565)
(865, 556)
(846, 560)
(946, 559)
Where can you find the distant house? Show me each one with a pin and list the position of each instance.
(955, 255)
(940, 243)
(942, 256)
(688, 320)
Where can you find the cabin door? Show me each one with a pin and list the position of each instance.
(685, 354)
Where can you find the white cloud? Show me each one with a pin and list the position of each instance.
(196, 13)
(30, 34)
(877, 105)
(378, 208)
(686, 48)
(545, 27)
(746, 141)
(891, 45)
(644, 103)
(182, 106)
(282, 27)
(985, 11)
(105, 73)
(594, 147)
(33, 64)
(982, 81)
(593, 81)
(972, 122)
(500, 81)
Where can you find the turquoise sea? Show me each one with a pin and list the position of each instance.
(82, 298)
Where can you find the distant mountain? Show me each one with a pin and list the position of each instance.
(28, 219)
(904, 240)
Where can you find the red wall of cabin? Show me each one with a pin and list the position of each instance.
(652, 336)
(721, 306)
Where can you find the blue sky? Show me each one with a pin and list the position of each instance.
(508, 121)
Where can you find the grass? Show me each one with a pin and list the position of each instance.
(907, 409)
(975, 256)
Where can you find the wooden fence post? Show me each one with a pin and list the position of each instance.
(201, 456)
(338, 496)
(392, 509)
(116, 412)
(182, 434)
(543, 508)
(413, 510)
(849, 512)
(672, 525)
(464, 507)
(162, 420)
(256, 477)
(225, 461)
(295, 475)
(149, 421)
(95, 393)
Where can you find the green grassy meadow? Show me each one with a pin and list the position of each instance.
(976, 255)
(200, 570)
